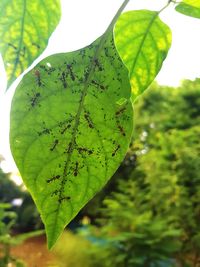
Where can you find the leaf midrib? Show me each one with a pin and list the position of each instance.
(142, 43)
(77, 120)
(75, 128)
(145, 36)
(20, 41)
(81, 105)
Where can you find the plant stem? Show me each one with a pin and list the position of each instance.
(169, 2)
(114, 20)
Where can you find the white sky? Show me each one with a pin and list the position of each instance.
(83, 21)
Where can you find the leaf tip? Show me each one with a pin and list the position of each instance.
(53, 232)
(52, 238)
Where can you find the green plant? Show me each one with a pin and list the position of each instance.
(4, 232)
(8, 190)
(152, 217)
(7, 221)
(137, 233)
(172, 146)
(64, 152)
(66, 251)
(27, 215)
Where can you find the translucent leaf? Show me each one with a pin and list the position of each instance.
(71, 124)
(142, 41)
(190, 8)
(25, 27)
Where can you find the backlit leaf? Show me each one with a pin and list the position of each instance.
(142, 41)
(71, 124)
(190, 8)
(25, 27)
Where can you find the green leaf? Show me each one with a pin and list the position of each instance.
(142, 41)
(71, 124)
(190, 8)
(25, 27)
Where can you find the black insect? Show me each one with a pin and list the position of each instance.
(86, 73)
(69, 67)
(63, 79)
(65, 129)
(43, 67)
(38, 77)
(106, 50)
(76, 169)
(121, 129)
(69, 148)
(53, 178)
(97, 64)
(13, 46)
(98, 85)
(54, 145)
(23, 51)
(45, 131)
(88, 119)
(61, 199)
(34, 99)
(115, 151)
(55, 193)
(36, 45)
(120, 111)
(84, 150)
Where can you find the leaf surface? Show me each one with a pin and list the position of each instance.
(190, 8)
(71, 124)
(142, 41)
(25, 27)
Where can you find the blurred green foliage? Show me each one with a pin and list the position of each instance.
(71, 251)
(8, 189)
(7, 221)
(28, 218)
(153, 216)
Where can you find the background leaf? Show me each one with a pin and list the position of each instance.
(190, 8)
(71, 124)
(25, 27)
(142, 41)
